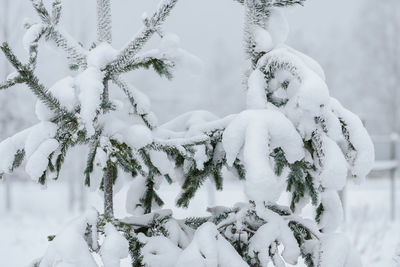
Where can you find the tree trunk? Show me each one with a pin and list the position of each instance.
(108, 191)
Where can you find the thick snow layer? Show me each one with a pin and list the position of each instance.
(159, 251)
(64, 91)
(114, 248)
(37, 163)
(334, 171)
(162, 162)
(336, 251)
(186, 122)
(9, 147)
(137, 136)
(332, 216)
(276, 229)
(100, 56)
(135, 193)
(362, 161)
(90, 84)
(209, 249)
(277, 27)
(32, 34)
(263, 40)
(37, 135)
(257, 133)
(69, 248)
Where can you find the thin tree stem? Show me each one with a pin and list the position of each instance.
(108, 191)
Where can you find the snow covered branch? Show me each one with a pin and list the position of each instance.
(104, 23)
(76, 53)
(133, 47)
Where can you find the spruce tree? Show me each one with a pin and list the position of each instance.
(292, 137)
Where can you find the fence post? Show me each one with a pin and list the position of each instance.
(393, 172)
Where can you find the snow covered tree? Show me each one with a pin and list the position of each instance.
(293, 137)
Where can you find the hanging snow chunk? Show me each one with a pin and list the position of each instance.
(32, 34)
(137, 136)
(114, 248)
(209, 249)
(101, 55)
(334, 172)
(10, 147)
(38, 134)
(257, 133)
(263, 40)
(90, 84)
(69, 247)
(64, 91)
(359, 151)
(159, 251)
(333, 211)
(38, 162)
(278, 27)
(276, 229)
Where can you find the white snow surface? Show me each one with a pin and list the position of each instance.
(31, 35)
(256, 133)
(64, 90)
(159, 251)
(37, 163)
(362, 162)
(336, 251)
(9, 147)
(101, 55)
(90, 84)
(114, 248)
(69, 248)
(209, 249)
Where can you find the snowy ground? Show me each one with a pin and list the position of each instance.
(38, 213)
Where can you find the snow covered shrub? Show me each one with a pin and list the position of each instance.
(292, 137)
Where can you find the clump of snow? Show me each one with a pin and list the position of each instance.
(64, 91)
(38, 134)
(135, 193)
(276, 229)
(257, 133)
(101, 55)
(278, 27)
(159, 251)
(333, 211)
(69, 247)
(334, 171)
(137, 136)
(9, 147)
(364, 157)
(32, 34)
(39, 160)
(209, 249)
(262, 39)
(114, 248)
(90, 84)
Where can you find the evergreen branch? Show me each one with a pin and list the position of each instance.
(63, 40)
(277, 3)
(74, 50)
(132, 99)
(283, 3)
(32, 82)
(9, 83)
(104, 23)
(161, 66)
(135, 45)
